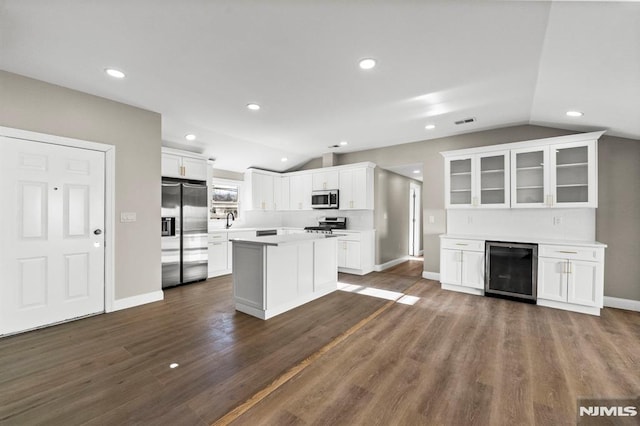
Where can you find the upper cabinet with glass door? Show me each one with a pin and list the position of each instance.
(554, 172)
(557, 175)
(480, 180)
(573, 178)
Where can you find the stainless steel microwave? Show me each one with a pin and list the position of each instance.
(325, 199)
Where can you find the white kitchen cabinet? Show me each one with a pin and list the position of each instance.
(462, 265)
(218, 258)
(559, 172)
(281, 193)
(356, 188)
(183, 166)
(218, 254)
(557, 175)
(355, 251)
(258, 189)
(571, 276)
(349, 254)
(322, 180)
(477, 180)
(272, 278)
(300, 191)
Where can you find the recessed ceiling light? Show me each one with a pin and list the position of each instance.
(343, 143)
(430, 126)
(416, 171)
(253, 107)
(190, 137)
(283, 159)
(575, 113)
(174, 365)
(367, 63)
(114, 73)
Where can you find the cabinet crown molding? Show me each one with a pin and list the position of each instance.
(579, 137)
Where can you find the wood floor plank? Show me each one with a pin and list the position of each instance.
(443, 358)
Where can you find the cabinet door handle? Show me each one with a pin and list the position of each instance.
(569, 267)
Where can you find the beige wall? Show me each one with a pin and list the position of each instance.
(618, 215)
(391, 215)
(45, 108)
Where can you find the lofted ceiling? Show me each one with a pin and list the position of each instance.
(200, 62)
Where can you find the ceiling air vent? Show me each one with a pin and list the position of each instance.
(465, 121)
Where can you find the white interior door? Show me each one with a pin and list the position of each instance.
(52, 227)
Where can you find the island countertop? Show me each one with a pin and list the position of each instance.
(279, 240)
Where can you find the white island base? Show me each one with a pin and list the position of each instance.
(274, 274)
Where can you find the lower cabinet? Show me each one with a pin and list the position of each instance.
(573, 276)
(218, 258)
(355, 251)
(462, 263)
(569, 277)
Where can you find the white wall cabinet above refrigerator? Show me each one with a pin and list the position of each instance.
(178, 164)
(559, 172)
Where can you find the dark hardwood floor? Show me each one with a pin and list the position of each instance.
(449, 358)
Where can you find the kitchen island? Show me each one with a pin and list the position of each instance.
(274, 274)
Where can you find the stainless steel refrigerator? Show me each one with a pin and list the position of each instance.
(184, 231)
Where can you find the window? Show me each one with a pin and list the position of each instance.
(225, 196)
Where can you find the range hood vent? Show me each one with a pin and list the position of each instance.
(465, 121)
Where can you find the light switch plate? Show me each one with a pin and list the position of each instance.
(127, 216)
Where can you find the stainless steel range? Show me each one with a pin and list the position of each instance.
(327, 224)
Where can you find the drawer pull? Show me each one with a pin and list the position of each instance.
(461, 244)
(567, 251)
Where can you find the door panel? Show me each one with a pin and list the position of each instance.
(582, 283)
(552, 279)
(51, 261)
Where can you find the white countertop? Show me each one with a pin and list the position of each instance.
(278, 240)
(532, 240)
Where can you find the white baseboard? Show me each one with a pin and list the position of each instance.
(141, 299)
(431, 275)
(628, 304)
(389, 264)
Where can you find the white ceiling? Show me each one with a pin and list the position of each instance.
(199, 62)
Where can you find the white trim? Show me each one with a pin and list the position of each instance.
(431, 275)
(141, 299)
(183, 153)
(579, 137)
(628, 304)
(462, 289)
(109, 196)
(589, 310)
(391, 263)
(265, 314)
(421, 253)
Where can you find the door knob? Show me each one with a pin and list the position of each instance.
(98, 231)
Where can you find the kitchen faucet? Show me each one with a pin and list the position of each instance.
(228, 225)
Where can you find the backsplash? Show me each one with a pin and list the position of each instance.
(356, 219)
(565, 224)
